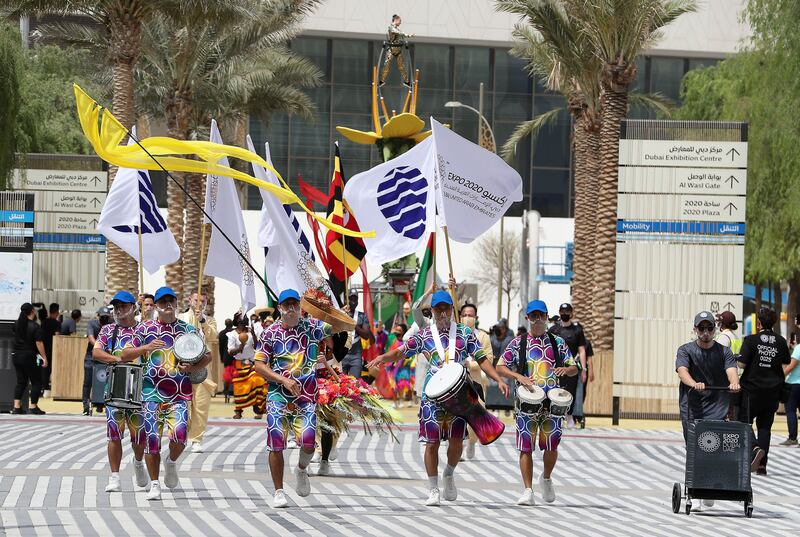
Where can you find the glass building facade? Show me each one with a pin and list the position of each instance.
(304, 148)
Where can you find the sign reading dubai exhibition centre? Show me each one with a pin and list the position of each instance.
(680, 243)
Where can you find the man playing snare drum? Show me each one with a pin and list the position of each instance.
(166, 388)
(435, 423)
(112, 338)
(547, 358)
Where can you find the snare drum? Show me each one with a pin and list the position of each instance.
(560, 401)
(124, 386)
(530, 399)
(450, 388)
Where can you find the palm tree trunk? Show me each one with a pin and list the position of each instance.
(593, 126)
(177, 127)
(192, 234)
(615, 107)
(581, 263)
(778, 303)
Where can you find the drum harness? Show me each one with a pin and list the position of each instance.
(522, 363)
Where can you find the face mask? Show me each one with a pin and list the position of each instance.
(566, 317)
(469, 321)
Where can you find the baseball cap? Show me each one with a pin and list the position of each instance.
(535, 305)
(123, 296)
(161, 292)
(288, 294)
(703, 316)
(103, 310)
(566, 306)
(441, 297)
(353, 292)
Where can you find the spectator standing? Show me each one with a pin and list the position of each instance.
(92, 331)
(572, 334)
(792, 404)
(51, 326)
(28, 357)
(70, 326)
(500, 337)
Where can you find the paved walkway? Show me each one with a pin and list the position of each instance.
(609, 481)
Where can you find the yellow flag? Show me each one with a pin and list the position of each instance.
(106, 134)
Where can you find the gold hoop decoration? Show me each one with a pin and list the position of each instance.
(339, 320)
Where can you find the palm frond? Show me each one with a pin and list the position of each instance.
(530, 127)
(657, 102)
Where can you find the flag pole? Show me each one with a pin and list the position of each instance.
(450, 264)
(141, 263)
(344, 263)
(202, 261)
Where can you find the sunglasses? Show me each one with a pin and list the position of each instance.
(709, 329)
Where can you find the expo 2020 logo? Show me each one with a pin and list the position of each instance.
(708, 442)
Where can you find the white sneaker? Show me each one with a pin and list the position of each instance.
(291, 443)
(324, 468)
(279, 501)
(197, 447)
(708, 503)
(317, 457)
(526, 498)
(303, 484)
(470, 451)
(548, 492)
(433, 498)
(155, 492)
(570, 422)
(113, 484)
(450, 491)
(140, 471)
(334, 454)
(170, 473)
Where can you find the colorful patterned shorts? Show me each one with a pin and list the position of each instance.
(118, 418)
(298, 417)
(548, 428)
(436, 424)
(156, 414)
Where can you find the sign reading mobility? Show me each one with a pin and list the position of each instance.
(68, 251)
(680, 248)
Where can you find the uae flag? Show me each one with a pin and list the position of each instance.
(426, 277)
(341, 254)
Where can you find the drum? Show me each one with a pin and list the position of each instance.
(450, 388)
(530, 399)
(124, 386)
(190, 348)
(560, 401)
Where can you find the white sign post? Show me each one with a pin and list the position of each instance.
(680, 249)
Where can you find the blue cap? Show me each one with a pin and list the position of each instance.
(123, 296)
(536, 305)
(441, 297)
(161, 292)
(288, 294)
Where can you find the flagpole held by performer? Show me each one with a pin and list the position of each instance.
(436, 423)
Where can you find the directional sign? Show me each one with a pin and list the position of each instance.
(72, 202)
(57, 222)
(683, 154)
(66, 180)
(662, 180)
(696, 208)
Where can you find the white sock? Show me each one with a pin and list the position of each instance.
(449, 470)
(433, 481)
(115, 475)
(137, 462)
(154, 483)
(304, 459)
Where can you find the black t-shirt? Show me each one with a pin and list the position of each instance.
(49, 329)
(708, 366)
(572, 335)
(764, 354)
(224, 357)
(25, 341)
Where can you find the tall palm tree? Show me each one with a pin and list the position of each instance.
(558, 53)
(116, 36)
(619, 31)
(194, 69)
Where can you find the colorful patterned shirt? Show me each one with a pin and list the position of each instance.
(124, 337)
(541, 359)
(162, 382)
(292, 352)
(423, 342)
